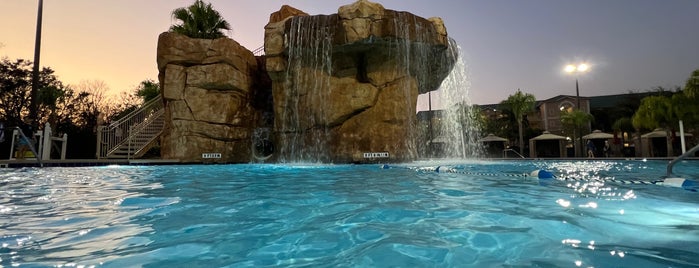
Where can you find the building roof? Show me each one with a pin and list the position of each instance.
(596, 102)
(548, 136)
(598, 134)
(610, 101)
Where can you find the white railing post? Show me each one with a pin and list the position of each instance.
(98, 148)
(12, 145)
(64, 145)
(46, 143)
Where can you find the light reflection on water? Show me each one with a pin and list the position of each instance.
(343, 215)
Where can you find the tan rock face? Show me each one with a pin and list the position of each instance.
(355, 91)
(341, 85)
(285, 12)
(206, 86)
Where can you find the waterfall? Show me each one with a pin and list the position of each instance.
(340, 100)
(307, 81)
(459, 127)
(415, 55)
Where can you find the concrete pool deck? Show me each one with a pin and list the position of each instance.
(150, 162)
(84, 162)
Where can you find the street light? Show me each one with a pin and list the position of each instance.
(33, 114)
(577, 69)
(580, 68)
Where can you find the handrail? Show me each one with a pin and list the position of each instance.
(155, 102)
(679, 158)
(504, 153)
(137, 130)
(116, 134)
(30, 145)
(259, 51)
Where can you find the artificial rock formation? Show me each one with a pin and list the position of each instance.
(340, 86)
(206, 86)
(347, 84)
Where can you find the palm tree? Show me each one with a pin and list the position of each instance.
(520, 104)
(148, 89)
(199, 20)
(576, 120)
(655, 112)
(687, 106)
(691, 88)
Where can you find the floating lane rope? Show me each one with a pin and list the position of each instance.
(547, 175)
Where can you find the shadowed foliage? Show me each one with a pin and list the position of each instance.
(576, 120)
(656, 112)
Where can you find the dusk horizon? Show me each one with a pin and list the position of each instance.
(506, 45)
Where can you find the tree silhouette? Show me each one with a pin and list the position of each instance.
(656, 112)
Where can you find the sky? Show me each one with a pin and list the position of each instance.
(631, 45)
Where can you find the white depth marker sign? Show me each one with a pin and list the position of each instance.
(211, 155)
(376, 155)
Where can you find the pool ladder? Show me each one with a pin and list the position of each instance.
(679, 158)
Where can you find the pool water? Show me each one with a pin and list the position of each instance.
(486, 215)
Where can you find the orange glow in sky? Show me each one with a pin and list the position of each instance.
(507, 44)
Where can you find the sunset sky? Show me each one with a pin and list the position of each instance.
(507, 44)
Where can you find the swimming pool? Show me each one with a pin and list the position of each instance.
(486, 214)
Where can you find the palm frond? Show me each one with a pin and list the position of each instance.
(199, 20)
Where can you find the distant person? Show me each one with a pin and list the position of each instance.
(606, 148)
(590, 149)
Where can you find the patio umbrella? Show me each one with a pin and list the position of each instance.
(492, 137)
(548, 136)
(598, 134)
(660, 133)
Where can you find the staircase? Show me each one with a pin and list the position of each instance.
(133, 135)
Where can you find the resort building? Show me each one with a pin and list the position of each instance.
(546, 117)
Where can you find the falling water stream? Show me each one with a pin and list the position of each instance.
(307, 81)
(304, 134)
(459, 128)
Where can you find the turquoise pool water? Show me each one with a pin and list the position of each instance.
(487, 215)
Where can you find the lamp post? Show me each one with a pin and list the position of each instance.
(575, 69)
(35, 72)
(578, 69)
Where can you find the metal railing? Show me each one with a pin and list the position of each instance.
(29, 144)
(137, 125)
(679, 158)
(504, 153)
(259, 51)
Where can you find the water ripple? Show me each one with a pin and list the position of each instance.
(343, 215)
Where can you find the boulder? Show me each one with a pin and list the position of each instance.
(284, 13)
(329, 88)
(347, 83)
(207, 87)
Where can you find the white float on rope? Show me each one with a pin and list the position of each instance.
(679, 182)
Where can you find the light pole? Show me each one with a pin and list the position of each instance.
(576, 69)
(35, 72)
